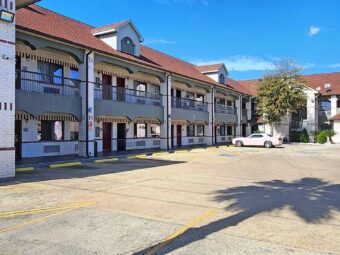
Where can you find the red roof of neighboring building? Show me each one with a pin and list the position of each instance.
(209, 68)
(335, 117)
(247, 87)
(319, 80)
(48, 23)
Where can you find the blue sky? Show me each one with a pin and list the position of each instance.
(247, 35)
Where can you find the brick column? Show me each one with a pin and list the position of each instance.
(7, 96)
(166, 122)
(87, 126)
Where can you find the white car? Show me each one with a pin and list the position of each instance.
(258, 140)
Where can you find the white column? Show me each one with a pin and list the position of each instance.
(166, 122)
(238, 105)
(334, 100)
(211, 108)
(89, 125)
(7, 97)
(248, 107)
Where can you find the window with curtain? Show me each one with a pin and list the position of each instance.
(190, 130)
(49, 130)
(222, 130)
(51, 73)
(155, 130)
(140, 88)
(200, 98)
(140, 130)
(200, 130)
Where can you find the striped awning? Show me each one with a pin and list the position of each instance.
(20, 115)
(219, 123)
(147, 121)
(179, 122)
(118, 119)
(34, 56)
(198, 122)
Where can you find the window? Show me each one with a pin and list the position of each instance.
(155, 130)
(190, 95)
(229, 103)
(200, 98)
(229, 130)
(338, 103)
(222, 79)
(256, 136)
(49, 130)
(155, 89)
(140, 130)
(190, 130)
(128, 46)
(74, 131)
(140, 88)
(51, 73)
(200, 130)
(324, 106)
(222, 130)
(190, 103)
(222, 101)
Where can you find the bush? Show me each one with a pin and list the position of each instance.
(304, 136)
(322, 137)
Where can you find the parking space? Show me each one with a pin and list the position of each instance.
(206, 201)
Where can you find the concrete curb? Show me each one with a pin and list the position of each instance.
(65, 164)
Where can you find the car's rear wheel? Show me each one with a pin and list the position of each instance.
(239, 144)
(268, 144)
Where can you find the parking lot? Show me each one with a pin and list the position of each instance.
(207, 201)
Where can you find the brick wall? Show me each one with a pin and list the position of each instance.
(7, 97)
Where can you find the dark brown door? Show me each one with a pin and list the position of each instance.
(107, 136)
(179, 135)
(120, 89)
(18, 73)
(18, 139)
(107, 87)
(172, 136)
(121, 136)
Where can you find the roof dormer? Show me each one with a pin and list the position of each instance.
(122, 36)
(217, 72)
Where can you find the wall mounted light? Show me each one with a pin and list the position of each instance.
(6, 16)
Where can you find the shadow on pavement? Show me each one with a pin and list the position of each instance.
(312, 199)
(88, 170)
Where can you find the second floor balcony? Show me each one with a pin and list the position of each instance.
(219, 108)
(189, 104)
(130, 96)
(46, 84)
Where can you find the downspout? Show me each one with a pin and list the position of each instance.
(167, 112)
(87, 101)
(212, 116)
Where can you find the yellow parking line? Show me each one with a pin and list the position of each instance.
(24, 169)
(65, 164)
(180, 232)
(42, 210)
(181, 151)
(160, 153)
(105, 160)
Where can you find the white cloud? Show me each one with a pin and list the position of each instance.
(335, 65)
(186, 2)
(241, 63)
(313, 30)
(157, 41)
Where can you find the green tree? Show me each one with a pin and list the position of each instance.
(281, 92)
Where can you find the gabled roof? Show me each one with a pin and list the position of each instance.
(316, 81)
(53, 25)
(210, 68)
(247, 86)
(115, 27)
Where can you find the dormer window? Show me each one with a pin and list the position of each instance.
(222, 79)
(128, 46)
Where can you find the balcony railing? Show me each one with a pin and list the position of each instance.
(189, 104)
(118, 94)
(46, 84)
(219, 108)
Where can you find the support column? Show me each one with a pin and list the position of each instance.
(238, 105)
(166, 122)
(86, 125)
(211, 110)
(7, 97)
(334, 100)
